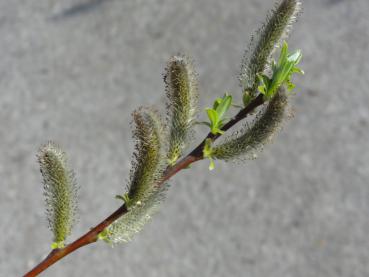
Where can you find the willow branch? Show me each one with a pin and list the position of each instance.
(92, 235)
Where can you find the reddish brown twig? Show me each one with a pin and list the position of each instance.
(92, 235)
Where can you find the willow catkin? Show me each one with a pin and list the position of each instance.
(265, 41)
(144, 193)
(182, 104)
(148, 159)
(246, 143)
(60, 192)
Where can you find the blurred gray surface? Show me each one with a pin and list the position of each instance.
(72, 71)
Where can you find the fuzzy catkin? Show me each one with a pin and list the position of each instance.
(60, 191)
(148, 166)
(182, 94)
(267, 38)
(149, 160)
(246, 143)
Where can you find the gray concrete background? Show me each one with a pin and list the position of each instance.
(73, 70)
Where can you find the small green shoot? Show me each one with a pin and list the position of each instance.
(217, 113)
(281, 73)
(57, 245)
(208, 153)
(246, 98)
(125, 198)
(104, 235)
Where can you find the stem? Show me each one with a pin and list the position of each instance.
(92, 235)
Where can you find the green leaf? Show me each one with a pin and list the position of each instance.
(216, 115)
(295, 57)
(281, 73)
(104, 235)
(224, 105)
(264, 84)
(283, 55)
(213, 117)
(298, 70)
(237, 106)
(246, 98)
(290, 85)
(120, 197)
(216, 103)
(125, 198)
(208, 153)
(212, 164)
(202, 123)
(216, 130)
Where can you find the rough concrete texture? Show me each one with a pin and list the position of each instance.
(73, 71)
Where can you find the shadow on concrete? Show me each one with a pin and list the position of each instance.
(78, 9)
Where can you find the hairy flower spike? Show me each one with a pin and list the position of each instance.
(269, 36)
(247, 142)
(60, 192)
(143, 194)
(149, 163)
(182, 94)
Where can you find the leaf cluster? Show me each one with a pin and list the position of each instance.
(281, 73)
(216, 114)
